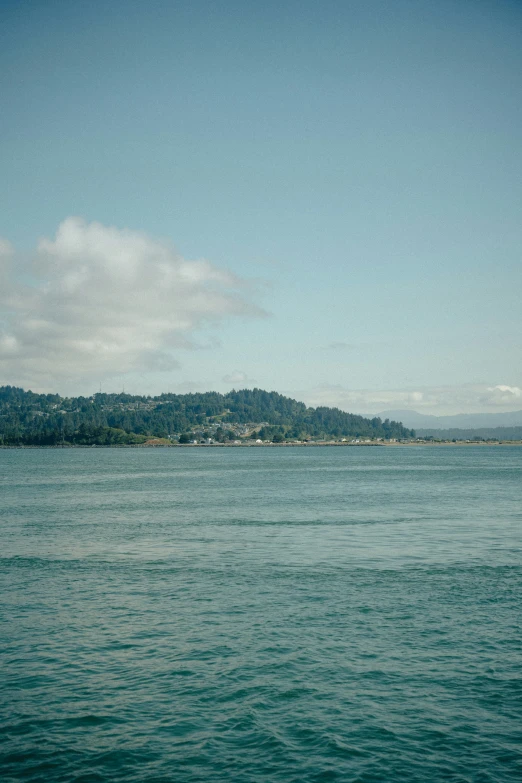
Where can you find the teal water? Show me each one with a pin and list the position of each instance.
(258, 615)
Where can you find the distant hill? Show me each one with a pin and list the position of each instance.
(458, 421)
(49, 419)
(497, 433)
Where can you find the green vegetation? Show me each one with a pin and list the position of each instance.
(27, 418)
(476, 433)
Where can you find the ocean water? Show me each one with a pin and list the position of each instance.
(261, 614)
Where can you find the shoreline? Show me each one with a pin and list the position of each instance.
(315, 444)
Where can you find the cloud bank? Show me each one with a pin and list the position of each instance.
(100, 301)
(238, 378)
(437, 400)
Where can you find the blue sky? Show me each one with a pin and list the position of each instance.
(350, 173)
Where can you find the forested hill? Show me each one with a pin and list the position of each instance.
(48, 419)
(477, 433)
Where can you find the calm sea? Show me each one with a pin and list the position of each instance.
(261, 614)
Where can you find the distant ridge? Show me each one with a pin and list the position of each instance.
(486, 433)
(458, 421)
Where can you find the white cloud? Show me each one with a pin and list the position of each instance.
(439, 400)
(6, 248)
(505, 394)
(237, 378)
(103, 301)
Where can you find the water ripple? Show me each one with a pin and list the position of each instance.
(287, 615)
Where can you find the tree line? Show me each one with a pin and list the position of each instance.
(29, 418)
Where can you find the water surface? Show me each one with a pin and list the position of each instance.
(292, 614)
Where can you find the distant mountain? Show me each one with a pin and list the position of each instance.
(486, 433)
(459, 421)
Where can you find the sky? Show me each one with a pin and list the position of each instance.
(321, 199)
